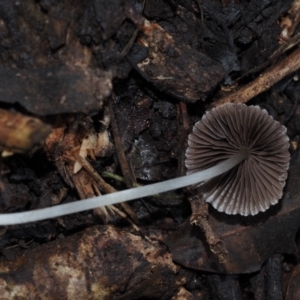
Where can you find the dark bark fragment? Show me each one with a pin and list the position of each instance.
(178, 70)
(224, 287)
(273, 277)
(55, 90)
(293, 291)
(98, 263)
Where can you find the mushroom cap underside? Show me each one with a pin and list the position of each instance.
(256, 183)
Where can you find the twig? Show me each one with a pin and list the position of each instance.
(183, 130)
(201, 13)
(267, 79)
(200, 218)
(105, 186)
(132, 39)
(128, 174)
(291, 43)
(87, 166)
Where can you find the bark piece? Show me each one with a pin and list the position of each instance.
(293, 291)
(55, 90)
(273, 277)
(99, 263)
(224, 287)
(178, 70)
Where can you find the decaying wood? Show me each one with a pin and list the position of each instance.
(262, 83)
(290, 21)
(98, 263)
(273, 277)
(225, 287)
(92, 173)
(293, 290)
(56, 90)
(183, 294)
(64, 145)
(164, 65)
(20, 133)
(106, 187)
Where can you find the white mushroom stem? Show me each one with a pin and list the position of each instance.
(126, 195)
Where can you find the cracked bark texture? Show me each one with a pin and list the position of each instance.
(101, 262)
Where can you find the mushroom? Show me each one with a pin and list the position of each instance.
(127, 195)
(257, 182)
(239, 152)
